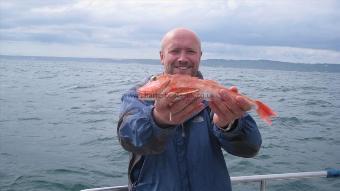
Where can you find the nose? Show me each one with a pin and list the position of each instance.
(182, 57)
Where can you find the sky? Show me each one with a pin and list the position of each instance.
(302, 31)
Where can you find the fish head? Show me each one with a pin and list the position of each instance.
(154, 88)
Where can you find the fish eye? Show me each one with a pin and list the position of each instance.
(153, 78)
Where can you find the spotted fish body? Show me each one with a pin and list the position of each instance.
(207, 89)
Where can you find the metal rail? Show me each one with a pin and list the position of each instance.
(328, 173)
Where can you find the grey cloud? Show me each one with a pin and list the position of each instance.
(68, 26)
(274, 23)
(305, 25)
(302, 24)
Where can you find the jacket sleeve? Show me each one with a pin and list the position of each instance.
(243, 140)
(137, 130)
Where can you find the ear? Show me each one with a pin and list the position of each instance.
(161, 56)
(200, 59)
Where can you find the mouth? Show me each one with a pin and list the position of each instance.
(183, 67)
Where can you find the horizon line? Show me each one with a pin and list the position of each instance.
(107, 58)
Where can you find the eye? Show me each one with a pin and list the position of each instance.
(153, 78)
(174, 51)
(191, 51)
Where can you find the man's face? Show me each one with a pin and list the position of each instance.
(181, 54)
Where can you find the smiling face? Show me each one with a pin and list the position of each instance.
(181, 52)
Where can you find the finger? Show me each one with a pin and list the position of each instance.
(188, 112)
(219, 118)
(234, 108)
(233, 89)
(163, 103)
(228, 102)
(221, 111)
(225, 95)
(183, 103)
(231, 103)
(244, 104)
(194, 110)
(170, 98)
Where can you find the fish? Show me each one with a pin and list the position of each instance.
(208, 90)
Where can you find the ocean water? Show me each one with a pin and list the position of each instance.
(58, 124)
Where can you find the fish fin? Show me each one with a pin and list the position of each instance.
(188, 92)
(165, 84)
(265, 112)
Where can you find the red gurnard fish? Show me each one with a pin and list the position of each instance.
(207, 89)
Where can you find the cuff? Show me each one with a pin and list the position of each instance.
(230, 128)
(236, 127)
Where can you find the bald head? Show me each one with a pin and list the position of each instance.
(181, 33)
(181, 52)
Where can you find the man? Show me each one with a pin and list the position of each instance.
(185, 152)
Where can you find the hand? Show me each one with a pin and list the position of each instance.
(228, 107)
(173, 110)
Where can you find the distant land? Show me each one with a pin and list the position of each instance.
(253, 64)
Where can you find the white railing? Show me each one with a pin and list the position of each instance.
(328, 173)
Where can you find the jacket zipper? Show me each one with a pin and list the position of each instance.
(183, 130)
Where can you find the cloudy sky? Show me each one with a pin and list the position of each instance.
(305, 31)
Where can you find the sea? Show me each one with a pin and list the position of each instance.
(58, 122)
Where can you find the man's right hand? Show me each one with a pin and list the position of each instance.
(173, 109)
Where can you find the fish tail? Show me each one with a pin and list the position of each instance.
(264, 111)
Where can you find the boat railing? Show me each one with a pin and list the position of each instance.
(262, 179)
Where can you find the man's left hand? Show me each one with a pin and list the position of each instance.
(228, 107)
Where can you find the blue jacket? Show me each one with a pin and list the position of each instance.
(187, 157)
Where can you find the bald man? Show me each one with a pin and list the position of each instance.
(185, 152)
